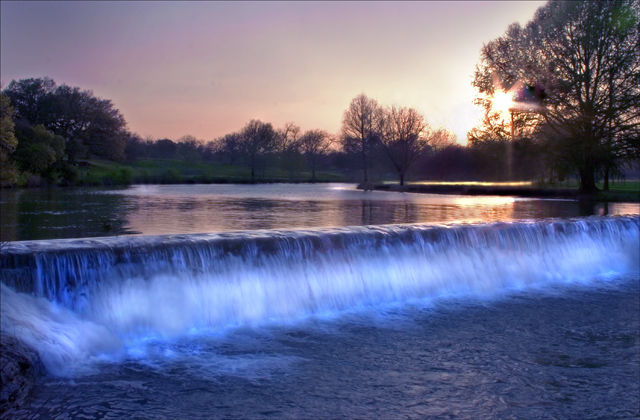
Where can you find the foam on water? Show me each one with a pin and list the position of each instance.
(68, 344)
(75, 300)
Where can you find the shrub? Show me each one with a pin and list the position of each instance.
(171, 177)
(69, 174)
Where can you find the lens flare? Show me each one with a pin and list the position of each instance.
(502, 102)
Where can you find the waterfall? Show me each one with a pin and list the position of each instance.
(126, 287)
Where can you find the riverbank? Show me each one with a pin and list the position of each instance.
(527, 191)
(96, 172)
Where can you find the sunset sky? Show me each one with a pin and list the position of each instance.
(207, 68)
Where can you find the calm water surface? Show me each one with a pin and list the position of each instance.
(170, 209)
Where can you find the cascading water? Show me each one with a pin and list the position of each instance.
(80, 299)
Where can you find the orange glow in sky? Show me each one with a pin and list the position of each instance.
(207, 68)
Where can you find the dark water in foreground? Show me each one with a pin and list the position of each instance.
(567, 352)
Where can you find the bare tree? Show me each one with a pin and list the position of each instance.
(361, 126)
(405, 137)
(313, 144)
(211, 150)
(189, 149)
(288, 144)
(230, 147)
(442, 139)
(258, 140)
(287, 137)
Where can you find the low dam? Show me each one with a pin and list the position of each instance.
(110, 307)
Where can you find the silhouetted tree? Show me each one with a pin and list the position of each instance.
(586, 58)
(135, 147)
(211, 150)
(361, 126)
(189, 149)
(288, 144)
(405, 136)
(231, 147)
(165, 149)
(451, 163)
(313, 144)
(258, 140)
(442, 138)
(30, 98)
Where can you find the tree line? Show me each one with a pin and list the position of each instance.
(47, 128)
(572, 74)
(258, 146)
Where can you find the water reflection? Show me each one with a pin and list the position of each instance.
(62, 213)
(154, 210)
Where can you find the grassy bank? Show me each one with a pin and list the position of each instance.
(619, 191)
(173, 171)
(628, 191)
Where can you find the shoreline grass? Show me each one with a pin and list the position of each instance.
(97, 172)
(628, 191)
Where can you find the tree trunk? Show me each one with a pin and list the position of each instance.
(252, 163)
(606, 179)
(587, 181)
(364, 165)
(71, 157)
(401, 179)
(71, 149)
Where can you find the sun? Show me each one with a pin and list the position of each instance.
(502, 102)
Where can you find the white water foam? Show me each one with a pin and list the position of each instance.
(304, 275)
(67, 344)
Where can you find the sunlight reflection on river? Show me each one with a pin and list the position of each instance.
(172, 209)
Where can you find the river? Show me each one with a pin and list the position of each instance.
(322, 301)
(172, 209)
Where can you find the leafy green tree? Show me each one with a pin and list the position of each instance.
(30, 98)
(8, 142)
(89, 124)
(451, 163)
(38, 149)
